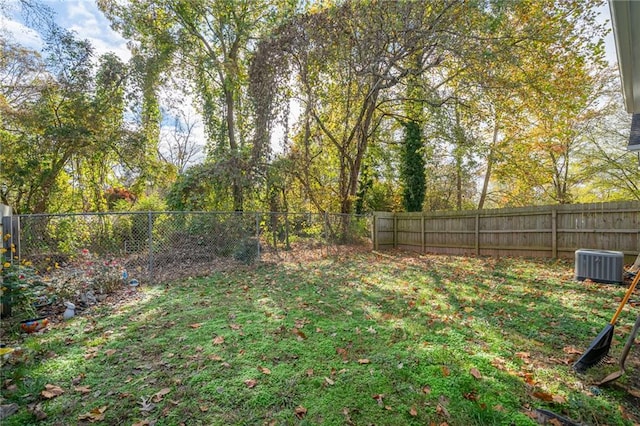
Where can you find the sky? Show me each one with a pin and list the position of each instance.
(81, 16)
(84, 17)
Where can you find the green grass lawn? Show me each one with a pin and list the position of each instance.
(384, 339)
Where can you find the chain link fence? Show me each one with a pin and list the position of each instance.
(157, 247)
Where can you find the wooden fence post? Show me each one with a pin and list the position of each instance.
(554, 233)
(422, 239)
(395, 231)
(477, 235)
(374, 231)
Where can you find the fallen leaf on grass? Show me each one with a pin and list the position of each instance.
(91, 353)
(440, 409)
(571, 350)
(95, 415)
(523, 356)
(426, 389)
(299, 333)
(157, 397)
(218, 340)
(471, 396)
(413, 411)
(36, 410)
(364, 361)
(528, 378)
(110, 352)
(146, 406)
(235, 326)
(543, 396)
(51, 391)
(142, 423)
(329, 381)
(76, 380)
(309, 372)
(82, 389)
(196, 325)
(559, 399)
(215, 357)
(475, 373)
(378, 397)
(251, 383)
(264, 370)
(445, 371)
(300, 412)
(342, 352)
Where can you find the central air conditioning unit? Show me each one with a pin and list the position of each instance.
(603, 266)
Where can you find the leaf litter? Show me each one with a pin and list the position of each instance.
(392, 328)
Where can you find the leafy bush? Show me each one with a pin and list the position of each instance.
(19, 283)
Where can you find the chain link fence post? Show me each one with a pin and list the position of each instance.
(325, 218)
(150, 230)
(258, 236)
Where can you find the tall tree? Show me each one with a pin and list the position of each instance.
(347, 60)
(210, 40)
(412, 172)
(63, 127)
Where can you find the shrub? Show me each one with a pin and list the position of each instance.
(18, 289)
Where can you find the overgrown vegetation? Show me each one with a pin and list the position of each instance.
(369, 339)
(296, 105)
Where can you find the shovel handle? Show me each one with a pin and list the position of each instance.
(632, 338)
(625, 299)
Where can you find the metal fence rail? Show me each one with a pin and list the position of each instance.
(161, 246)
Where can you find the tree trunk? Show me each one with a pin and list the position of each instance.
(362, 139)
(236, 169)
(487, 174)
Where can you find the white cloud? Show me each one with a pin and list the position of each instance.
(21, 34)
(89, 23)
(81, 16)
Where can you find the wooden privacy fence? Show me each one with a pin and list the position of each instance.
(545, 231)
